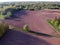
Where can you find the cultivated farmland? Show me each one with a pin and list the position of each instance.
(31, 27)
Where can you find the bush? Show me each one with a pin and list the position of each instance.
(8, 15)
(25, 28)
(56, 23)
(3, 28)
(6, 26)
(59, 26)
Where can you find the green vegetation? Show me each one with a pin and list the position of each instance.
(8, 15)
(2, 17)
(7, 9)
(25, 28)
(3, 28)
(55, 23)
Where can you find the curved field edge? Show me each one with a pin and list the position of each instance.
(32, 32)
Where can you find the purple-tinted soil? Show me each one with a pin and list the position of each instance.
(37, 21)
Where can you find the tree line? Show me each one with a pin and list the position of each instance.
(8, 8)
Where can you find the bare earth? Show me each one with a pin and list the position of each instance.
(37, 21)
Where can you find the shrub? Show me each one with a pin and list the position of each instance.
(25, 28)
(59, 26)
(58, 20)
(8, 15)
(52, 21)
(56, 23)
(3, 28)
(6, 26)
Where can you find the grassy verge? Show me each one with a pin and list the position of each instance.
(56, 27)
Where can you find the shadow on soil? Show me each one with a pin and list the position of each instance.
(41, 34)
(19, 38)
(18, 14)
